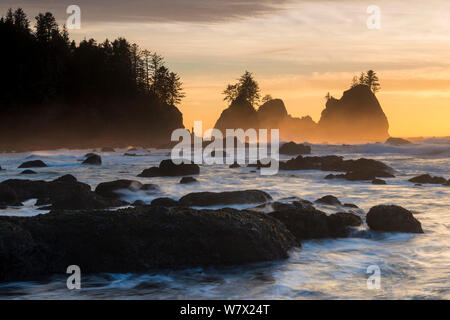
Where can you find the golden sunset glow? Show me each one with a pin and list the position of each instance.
(298, 51)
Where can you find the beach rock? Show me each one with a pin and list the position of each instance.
(185, 180)
(68, 178)
(329, 200)
(426, 178)
(93, 159)
(137, 240)
(8, 197)
(60, 194)
(293, 148)
(33, 164)
(165, 202)
(378, 181)
(447, 184)
(361, 175)
(204, 199)
(397, 142)
(234, 165)
(139, 203)
(349, 219)
(28, 172)
(311, 223)
(109, 189)
(392, 218)
(107, 149)
(351, 205)
(169, 169)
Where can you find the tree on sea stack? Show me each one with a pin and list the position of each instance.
(369, 79)
(246, 89)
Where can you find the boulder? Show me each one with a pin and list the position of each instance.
(137, 240)
(8, 197)
(169, 169)
(447, 184)
(234, 165)
(426, 178)
(93, 159)
(378, 181)
(33, 164)
(185, 180)
(392, 218)
(362, 175)
(68, 178)
(311, 223)
(205, 199)
(28, 172)
(329, 200)
(109, 189)
(293, 148)
(60, 193)
(165, 202)
(349, 219)
(397, 142)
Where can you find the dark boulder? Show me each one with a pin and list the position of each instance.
(67, 178)
(93, 159)
(447, 184)
(137, 240)
(293, 148)
(392, 218)
(235, 165)
(361, 175)
(397, 142)
(185, 180)
(165, 202)
(28, 172)
(167, 168)
(351, 205)
(311, 223)
(349, 219)
(109, 189)
(139, 203)
(378, 181)
(204, 199)
(33, 164)
(61, 194)
(8, 197)
(426, 178)
(329, 200)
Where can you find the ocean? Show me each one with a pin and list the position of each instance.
(412, 266)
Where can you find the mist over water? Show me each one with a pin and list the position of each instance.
(413, 266)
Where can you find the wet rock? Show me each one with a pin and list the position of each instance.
(60, 194)
(378, 181)
(426, 178)
(8, 197)
(139, 203)
(349, 219)
(107, 149)
(204, 199)
(234, 165)
(329, 200)
(109, 189)
(93, 159)
(351, 205)
(185, 180)
(361, 175)
(169, 169)
(28, 172)
(397, 141)
(33, 164)
(165, 202)
(293, 148)
(392, 218)
(138, 240)
(447, 184)
(68, 178)
(311, 223)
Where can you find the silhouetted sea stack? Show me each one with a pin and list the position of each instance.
(356, 117)
(397, 141)
(240, 114)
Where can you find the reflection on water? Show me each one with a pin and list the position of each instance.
(412, 266)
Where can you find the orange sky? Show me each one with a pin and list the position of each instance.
(298, 50)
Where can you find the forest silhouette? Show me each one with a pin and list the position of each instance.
(55, 93)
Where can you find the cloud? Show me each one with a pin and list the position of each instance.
(158, 11)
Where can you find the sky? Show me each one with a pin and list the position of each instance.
(298, 50)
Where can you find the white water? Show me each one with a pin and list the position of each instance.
(412, 266)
